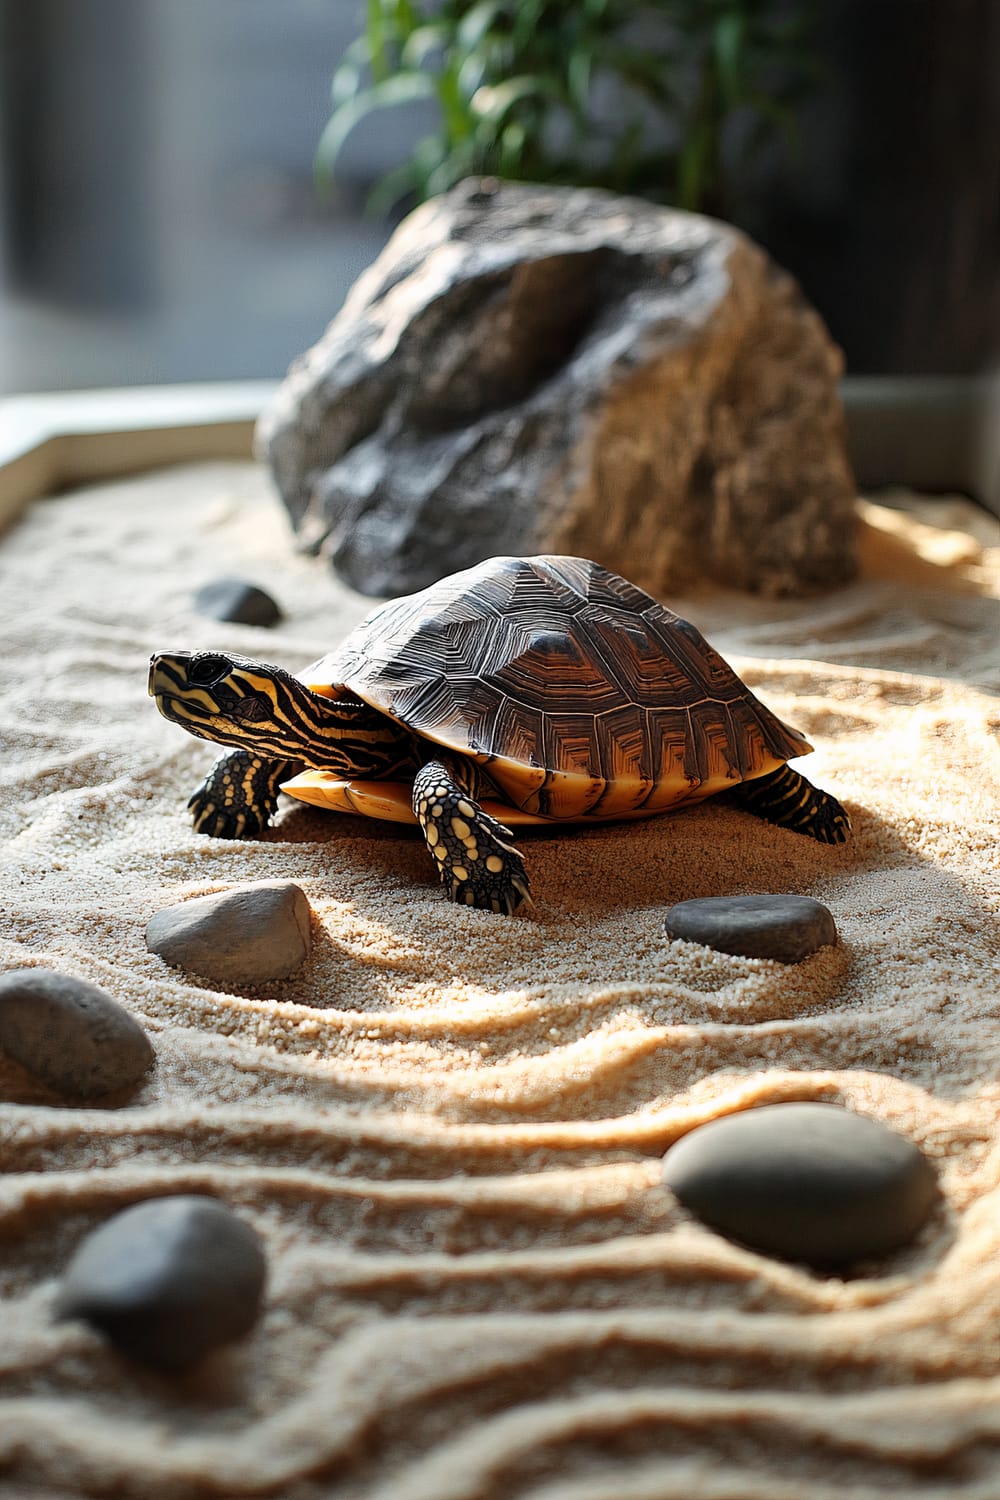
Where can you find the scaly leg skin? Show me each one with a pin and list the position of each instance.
(478, 867)
(786, 798)
(239, 795)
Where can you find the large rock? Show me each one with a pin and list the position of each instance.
(529, 369)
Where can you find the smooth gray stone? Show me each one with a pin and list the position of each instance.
(260, 930)
(237, 600)
(788, 928)
(168, 1280)
(809, 1182)
(529, 369)
(70, 1035)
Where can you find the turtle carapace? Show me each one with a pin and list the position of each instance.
(523, 690)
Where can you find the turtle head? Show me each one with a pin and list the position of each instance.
(264, 709)
(234, 701)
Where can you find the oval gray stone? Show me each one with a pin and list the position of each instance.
(167, 1280)
(809, 1182)
(70, 1035)
(260, 930)
(237, 600)
(787, 928)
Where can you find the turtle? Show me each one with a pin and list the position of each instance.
(523, 690)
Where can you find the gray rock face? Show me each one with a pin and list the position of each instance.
(787, 928)
(167, 1281)
(255, 931)
(810, 1182)
(70, 1035)
(529, 369)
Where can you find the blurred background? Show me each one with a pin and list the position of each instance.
(161, 223)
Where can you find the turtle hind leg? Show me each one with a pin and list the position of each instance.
(239, 795)
(786, 798)
(474, 858)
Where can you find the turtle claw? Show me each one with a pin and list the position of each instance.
(238, 796)
(497, 879)
(477, 865)
(502, 893)
(217, 822)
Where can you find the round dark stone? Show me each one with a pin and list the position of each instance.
(809, 1182)
(70, 1035)
(168, 1280)
(237, 600)
(788, 928)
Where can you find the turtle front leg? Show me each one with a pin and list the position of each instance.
(476, 863)
(786, 798)
(239, 796)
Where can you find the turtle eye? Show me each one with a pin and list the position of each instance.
(207, 670)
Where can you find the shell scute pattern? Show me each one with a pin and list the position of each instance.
(580, 693)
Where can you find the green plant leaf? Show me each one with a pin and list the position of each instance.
(527, 18)
(473, 73)
(402, 182)
(477, 22)
(422, 42)
(504, 72)
(513, 142)
(493, 102)
(728, 38)
(402, 88)
(695, 167)
(354, 65)
(460, 162)
(459, 112)
(410, 178)
(578, 76)
(376, 40)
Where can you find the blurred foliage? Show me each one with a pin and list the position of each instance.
(651, 97)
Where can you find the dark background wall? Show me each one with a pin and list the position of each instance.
(159, 220)
(892, 219)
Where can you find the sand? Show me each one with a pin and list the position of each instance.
(447, 1127)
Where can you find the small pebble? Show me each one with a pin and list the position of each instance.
(237, 600)
(70, 1035)
(168, 1280)
(808, 1182)
(788, 928)
(260, 930)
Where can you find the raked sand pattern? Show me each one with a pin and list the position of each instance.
(447, 1128)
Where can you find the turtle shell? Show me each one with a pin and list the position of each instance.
(580, 694)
